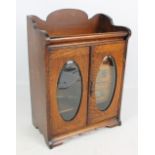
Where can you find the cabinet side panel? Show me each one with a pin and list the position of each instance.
(37, 71)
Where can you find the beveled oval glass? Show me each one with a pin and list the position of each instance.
(105, 83)
(69, 90)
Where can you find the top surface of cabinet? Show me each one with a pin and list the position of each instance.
(75, 23)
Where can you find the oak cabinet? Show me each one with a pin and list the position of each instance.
(76, 69)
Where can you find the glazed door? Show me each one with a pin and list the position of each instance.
(68, 84)
(107, 65)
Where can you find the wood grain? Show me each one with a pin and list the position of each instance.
(69, 34)
(57, 59)
(116, 51)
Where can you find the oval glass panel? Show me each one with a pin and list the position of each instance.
(105, 83)
(69, 90)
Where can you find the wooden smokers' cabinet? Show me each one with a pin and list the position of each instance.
(76, 73)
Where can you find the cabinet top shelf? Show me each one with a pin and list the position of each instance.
(68, 23)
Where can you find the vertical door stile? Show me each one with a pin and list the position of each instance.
(90, 81)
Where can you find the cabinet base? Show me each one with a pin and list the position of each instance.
(58, 140)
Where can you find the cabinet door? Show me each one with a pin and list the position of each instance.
(107, 65)
(68, 84)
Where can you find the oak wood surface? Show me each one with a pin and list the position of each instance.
(37, 72)
(68, 22)
(57, 59)
(116, 51)
(69, 34)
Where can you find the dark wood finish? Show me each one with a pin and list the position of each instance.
(69, 35)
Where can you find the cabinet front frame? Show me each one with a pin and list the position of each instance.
(117, 52)
(56, 61)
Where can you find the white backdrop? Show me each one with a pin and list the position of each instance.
(120, 140)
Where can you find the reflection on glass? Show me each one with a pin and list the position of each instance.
(105, 83)
(69, 90)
